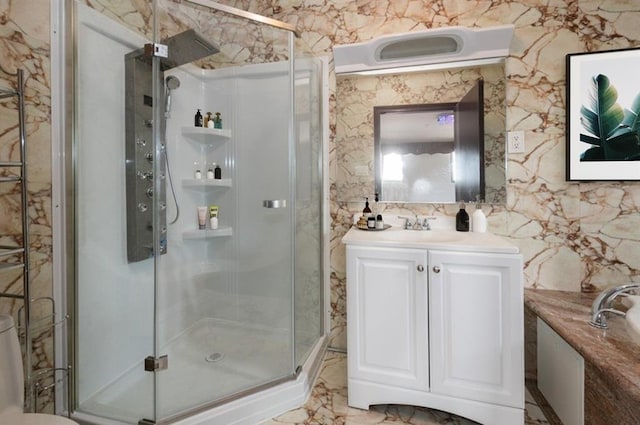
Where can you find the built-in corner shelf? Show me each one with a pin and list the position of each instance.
(207, 233)
(205, 183)
(206, 135)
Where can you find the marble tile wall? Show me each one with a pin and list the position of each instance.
(24, 44)
(574, 236)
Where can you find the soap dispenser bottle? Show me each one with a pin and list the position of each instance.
(479, 220)
(198, 119)
(367, 210)
(462, 219)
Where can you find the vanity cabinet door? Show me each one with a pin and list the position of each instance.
(387, 329)
(476, 326)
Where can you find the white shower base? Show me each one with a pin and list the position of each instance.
(245, 356)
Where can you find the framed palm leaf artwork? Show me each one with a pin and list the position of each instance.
(603, 115)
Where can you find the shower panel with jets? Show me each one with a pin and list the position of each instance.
(183, 48)
(171, 319)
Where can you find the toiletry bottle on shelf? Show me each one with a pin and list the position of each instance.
(210, 174)
(217, 171)
(213, 217)
(217, 121)
(208, 119)
(479, 220)
(462, 219)
(366, 211)
(197, 175)
(198, 119)
(202, 217)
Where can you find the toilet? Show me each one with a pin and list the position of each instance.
(12, 382)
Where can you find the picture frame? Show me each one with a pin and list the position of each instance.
(603, 115)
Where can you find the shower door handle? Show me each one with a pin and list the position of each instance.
(274, 203)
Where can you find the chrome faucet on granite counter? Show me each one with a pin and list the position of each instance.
(604, 304)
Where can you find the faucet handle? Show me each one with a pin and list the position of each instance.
(426, 224)
(406, 224)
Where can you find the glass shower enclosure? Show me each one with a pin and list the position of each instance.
(197, 268)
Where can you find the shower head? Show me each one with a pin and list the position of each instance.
(186, 47)
(172, 82)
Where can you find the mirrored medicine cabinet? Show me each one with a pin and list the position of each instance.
(396, 135)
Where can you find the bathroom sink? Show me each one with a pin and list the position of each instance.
(449, 239)
(402, 235)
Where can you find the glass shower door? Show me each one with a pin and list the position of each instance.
(114, 298)
(308, 286)
(224, 306)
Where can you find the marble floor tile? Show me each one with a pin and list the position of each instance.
(327, 405)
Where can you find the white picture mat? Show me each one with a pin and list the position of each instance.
(621, 67)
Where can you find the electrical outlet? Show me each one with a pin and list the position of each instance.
(515, 140)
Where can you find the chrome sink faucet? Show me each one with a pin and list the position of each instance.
(417, 225)
(604, 304)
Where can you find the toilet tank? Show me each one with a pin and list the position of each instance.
(11, 373)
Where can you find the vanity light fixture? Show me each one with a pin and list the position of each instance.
(422, 50)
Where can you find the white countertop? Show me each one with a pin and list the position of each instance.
(451, 240)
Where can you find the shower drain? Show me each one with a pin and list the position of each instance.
(214, 357)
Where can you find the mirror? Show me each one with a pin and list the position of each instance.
(430, 152)
(358, 97)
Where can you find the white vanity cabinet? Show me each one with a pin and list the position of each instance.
(436, 326)
(476, 326)
(387, 330)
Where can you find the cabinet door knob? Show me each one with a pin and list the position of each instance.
(436, 269)
(420, 268)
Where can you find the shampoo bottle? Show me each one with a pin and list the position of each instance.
(198, 119)
(479, 220)
(462, 219)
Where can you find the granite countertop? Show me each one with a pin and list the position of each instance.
(615, 352)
